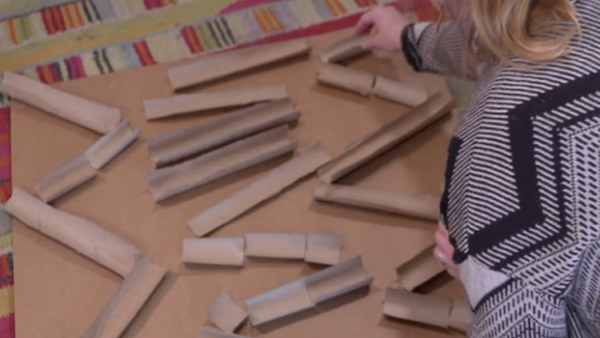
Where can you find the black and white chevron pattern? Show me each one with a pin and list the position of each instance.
(522, 196)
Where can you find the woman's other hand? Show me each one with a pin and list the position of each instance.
(444, 251)
(386, 24)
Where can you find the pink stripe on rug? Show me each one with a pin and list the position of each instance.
(7, 326)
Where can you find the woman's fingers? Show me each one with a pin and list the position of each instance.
(444, 251)
(365, 24)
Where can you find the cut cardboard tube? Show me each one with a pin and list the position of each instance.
(323, 248)
(387, 137)
(418, 270)
(214, 251)
(344, 49)
(111, 144)
(346, 78)
(75, 232)
(218, 66)
(278, 303)
(420, 206)
(191, 103)
(276, 245)
(268, 186)
(92, 115)
(400, 92)
(427, 309)
(220, 163)
(122, 308)
(65, 178)
(337, 280)
(307, 292)
(233, 126)
(207, 332)
(225, 314)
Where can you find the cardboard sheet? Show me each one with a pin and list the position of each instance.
(357, 81)
(323, 248)
(127, 302)
(48, 273)
(191, 103)
(388, 136)
(226, 314)
(182, 143)
(214, 251)
(404, 93)
(65, 178)
(240, 155)
(111, 144)
(337, 280)
(425, 309)
(215, 67)
(343, 49)
(262, 189)
(278, 303)
(276, 245)
(415, 205)
(419, 269)
(75, 232)
(207, 332)
(95, 116)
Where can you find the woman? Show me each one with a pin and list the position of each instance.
(521, 208)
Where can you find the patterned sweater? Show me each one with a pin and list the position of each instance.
(522, 195)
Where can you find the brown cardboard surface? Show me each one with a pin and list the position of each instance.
(59, 292)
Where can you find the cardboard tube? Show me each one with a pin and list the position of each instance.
(386, 138)
(111, 144)
(191, 103)
(226, 314)
(421, 206)
(276, 245)
(75, 232)
(218, 66)
(240, 155)
(323, 248)
(65, 178)
(400, 92)
(122, 308)
(419, 269)
(95, 116)
(346, 78)
(343, 49)
(418, 308)
(268, 186)
(214, 251)
(182, 143)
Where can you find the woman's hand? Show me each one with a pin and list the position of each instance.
(444, 251)
(387, 25)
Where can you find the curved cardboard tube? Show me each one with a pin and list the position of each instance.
(220, 163)
(421, 206)
(182, 143)
(111, 144)
(344, 49)
(192, 103)
(79, 234)
(92, 115)
(323, 248)
(218, 66)
(122, 308)
(346, 78)
(419, 269)
(226, 314)
(387, 137)
(268, 186)
(214, 251)
(65, 178)
(276, 245)
(400, 92)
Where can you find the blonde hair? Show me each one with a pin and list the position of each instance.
(533, 30)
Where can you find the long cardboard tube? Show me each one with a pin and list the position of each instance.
(387, 137)
(419, 269)
(346, 78)
(400, 92)
(79, 234)
(220, 163)
(92, 115)
(344, 49)
(268, 186)
(421, 206)
(111, 144)
(215, 67)
(280, 302)
(192, 103)
(180, 144)
(122, 308)
(65, 178)
(337, 280)
(228, 251)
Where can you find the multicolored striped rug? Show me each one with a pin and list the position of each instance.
(58, 40)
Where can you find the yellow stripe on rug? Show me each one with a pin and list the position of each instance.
(7, 301)
(5, 241)
(110, 32)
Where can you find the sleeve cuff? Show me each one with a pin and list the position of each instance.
(409, 47)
